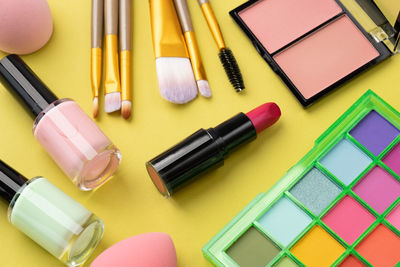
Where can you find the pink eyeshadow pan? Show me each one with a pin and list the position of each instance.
(276, 23)
(348, 219)
(326, 56)
(393, 159)
(379, 189)
(394, 217)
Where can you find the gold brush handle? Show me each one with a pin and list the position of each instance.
(190, 38)
(96, 51)
(126, 75)
(95, 66)
(125, 47)
(168, 40)
(212, 23)
(111, 81)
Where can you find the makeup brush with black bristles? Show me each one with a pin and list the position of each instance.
(225, 54)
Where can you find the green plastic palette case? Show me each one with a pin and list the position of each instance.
(338, 206)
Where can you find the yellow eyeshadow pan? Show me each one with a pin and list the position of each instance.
(317, 248)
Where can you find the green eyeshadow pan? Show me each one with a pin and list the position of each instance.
(253, 249)
(286, 262)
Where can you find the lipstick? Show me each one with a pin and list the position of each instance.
(68, 134)
(207, 149)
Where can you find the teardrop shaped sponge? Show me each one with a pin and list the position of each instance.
(145, 250)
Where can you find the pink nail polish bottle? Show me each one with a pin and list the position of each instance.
(67, 133)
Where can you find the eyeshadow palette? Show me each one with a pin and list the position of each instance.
(338, 206)
(317, 45)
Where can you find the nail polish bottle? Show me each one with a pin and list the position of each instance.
(68, 134)
(58, 223)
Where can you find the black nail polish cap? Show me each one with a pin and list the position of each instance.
(23, 83)
(11, 181)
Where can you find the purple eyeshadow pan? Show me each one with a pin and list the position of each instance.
(374, 132)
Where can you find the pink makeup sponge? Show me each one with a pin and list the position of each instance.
(145, 250)
(25, 25)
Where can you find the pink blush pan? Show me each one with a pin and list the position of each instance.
(326, 56)
(276, 23)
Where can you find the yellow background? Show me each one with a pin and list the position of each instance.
(129, 204)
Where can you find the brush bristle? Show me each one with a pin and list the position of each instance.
(231, 68)
(95, 107)
(126, 108)
(112, 102)
(176, 79)
(204, 88)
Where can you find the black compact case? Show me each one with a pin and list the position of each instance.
(384, 39)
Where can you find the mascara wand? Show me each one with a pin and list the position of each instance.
(225, 54)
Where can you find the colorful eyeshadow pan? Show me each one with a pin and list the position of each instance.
(346, 161)
(286, 262)
(316, 45)
(267, 18)
(348, 219)
(338, 206)
(392, 160)
(378, 188)
(284, 221)
(351, 261)
(394, 217)
(375, 132)
(316, 191)
(253, 249)
(381, 247)
(317, 248)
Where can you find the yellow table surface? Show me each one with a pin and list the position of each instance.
(129, 204)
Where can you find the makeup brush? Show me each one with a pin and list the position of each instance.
(96, 51)
(112, 88)
(225, 54)
(191, 43)
(175, 74)
(125, 54)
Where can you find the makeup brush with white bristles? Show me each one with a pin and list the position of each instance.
(174, 70)
(194, 53)
(112, 87)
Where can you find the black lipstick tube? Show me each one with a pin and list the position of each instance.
(202, 151)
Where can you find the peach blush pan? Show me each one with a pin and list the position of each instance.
(275, 25)
(326, 56)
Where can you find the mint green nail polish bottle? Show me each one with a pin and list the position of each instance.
(55, 221)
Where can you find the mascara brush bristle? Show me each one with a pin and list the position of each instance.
(231, 69)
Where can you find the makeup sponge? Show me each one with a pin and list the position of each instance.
(145, 250)
(25, 25)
